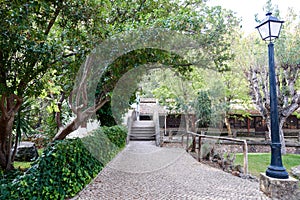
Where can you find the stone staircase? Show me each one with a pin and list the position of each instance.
(142, 130)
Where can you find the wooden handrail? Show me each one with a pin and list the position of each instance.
(295, 136)
(200, 136)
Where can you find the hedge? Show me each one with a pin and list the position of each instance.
(65, 167)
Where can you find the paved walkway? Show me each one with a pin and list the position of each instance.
(144, 171)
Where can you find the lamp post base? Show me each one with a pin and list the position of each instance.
(277, 172)
(285, 189)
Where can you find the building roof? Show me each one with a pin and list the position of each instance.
(149, 105)
(148, 100)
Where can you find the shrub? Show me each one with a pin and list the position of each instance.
(65, 167)
(110, 139)
(116, 134)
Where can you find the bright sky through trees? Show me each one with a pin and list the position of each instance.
(247, 9)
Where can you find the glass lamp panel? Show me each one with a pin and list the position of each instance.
(264, 30)
(275, 29)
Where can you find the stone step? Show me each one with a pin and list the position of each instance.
(141, 138)
(143, 124)
(142, 135)
(142, 130)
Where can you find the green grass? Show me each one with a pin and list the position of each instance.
(26, 165)
(22, 165)
(258, 162)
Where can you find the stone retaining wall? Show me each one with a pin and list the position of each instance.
(252, 148)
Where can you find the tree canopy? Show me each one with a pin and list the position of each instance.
(45, 42)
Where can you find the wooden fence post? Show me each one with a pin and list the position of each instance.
(245, 147)
(187, 142)
(199, 148)
(245, 151)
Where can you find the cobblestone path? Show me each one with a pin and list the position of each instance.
(144, 171)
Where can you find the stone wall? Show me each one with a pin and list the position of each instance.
(26, 152)
(252, 148)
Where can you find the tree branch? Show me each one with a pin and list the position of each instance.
(101, 103)
(52, 21)
(58, 114)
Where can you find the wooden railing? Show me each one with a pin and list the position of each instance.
(297, 137)
(200, 136)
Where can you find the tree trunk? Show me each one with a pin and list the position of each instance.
(186, 126)
(227, 123)
(81, 119)
(58, 121)
(281, 134)
(9, 106)
(74, 125)
(6, 126)
(62, 133)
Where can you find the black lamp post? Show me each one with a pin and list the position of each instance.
(269, 30)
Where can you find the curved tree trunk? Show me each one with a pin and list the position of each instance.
(81, 119)
(227, 123)
(62, 133)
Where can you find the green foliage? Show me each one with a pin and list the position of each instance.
(104, 114)
(44, 37)
(49, 126)
(64, 168)
(25, 119)
(110, 139)
(40, 35)
(181, 88)
(43, 43)
(219, 105)
(116, 134)
(203, 108)
(213, 27)
(192, 17)
(124, 66)
(38, 38)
